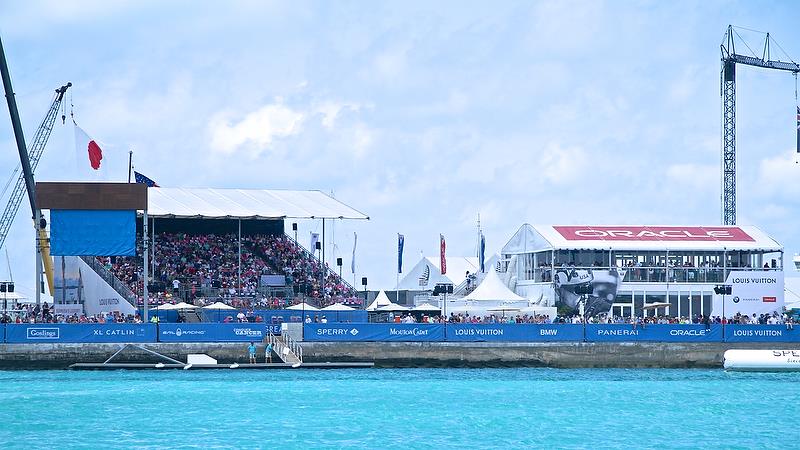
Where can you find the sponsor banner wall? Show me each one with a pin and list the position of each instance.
(761, 333)
(214, 332)
(46, 333)
(463, 332)
(753, 291)
(369, 332)
(653, 332)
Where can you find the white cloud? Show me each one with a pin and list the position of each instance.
(258, 128)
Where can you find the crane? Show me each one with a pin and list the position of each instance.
(728, 93)
(36, 149)
(25, 181)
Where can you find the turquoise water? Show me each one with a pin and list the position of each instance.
(408, 408)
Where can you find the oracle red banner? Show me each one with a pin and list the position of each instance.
(630, 233)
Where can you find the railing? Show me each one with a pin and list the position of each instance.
(118, 285)
(651, 274)
(284, 341)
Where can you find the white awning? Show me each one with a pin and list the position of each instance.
(246, 204)
(535, 238)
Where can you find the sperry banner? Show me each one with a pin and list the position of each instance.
(652, 233)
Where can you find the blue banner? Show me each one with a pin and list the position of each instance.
(92, 233)
(761, 333)
(48, 333)
(214, 332)
(653, 332)
(512, 332)
(374, 332)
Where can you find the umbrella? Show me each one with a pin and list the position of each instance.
(218, 305)
(165, 307)
(183, 305)
(301, 306)
(337, 307)
(427, 307)
(393, 307)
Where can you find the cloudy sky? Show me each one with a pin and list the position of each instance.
(420, 114)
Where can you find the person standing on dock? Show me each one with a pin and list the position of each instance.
(251, 349)
(268, 353)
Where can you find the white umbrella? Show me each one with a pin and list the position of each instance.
(393, 307)
(301, 306)
(165, 307)
(218, 305)
(427, 307)
(184, 305)
(337, 307)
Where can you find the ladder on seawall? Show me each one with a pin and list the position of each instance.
(288, 350)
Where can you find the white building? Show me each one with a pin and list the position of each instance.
(633, 269)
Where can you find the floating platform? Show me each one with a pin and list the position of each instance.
(163, 366)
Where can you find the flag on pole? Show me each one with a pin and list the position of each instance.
(442, 259)
(144, 180)
(89, 154)
(400, 242)
(353, 261)
(482, 252)
(314, 240)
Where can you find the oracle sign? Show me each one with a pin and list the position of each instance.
(628, 233)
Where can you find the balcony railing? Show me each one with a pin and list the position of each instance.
(652, 274)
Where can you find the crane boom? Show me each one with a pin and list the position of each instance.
(36, 149)
(728, 92)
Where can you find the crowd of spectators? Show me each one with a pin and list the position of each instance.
(205, 268)
(31, 313)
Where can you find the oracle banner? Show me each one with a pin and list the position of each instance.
(652, 233)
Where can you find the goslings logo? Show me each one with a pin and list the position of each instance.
(43, 333)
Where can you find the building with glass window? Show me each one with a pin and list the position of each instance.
(646, 270)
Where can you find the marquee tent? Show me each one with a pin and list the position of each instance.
(493, 289)
(426, 273)
(380, 300)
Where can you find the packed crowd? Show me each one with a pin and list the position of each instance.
(31, 313)
(300, 267)
(195, 268)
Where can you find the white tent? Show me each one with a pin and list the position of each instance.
(183, 305)
(380, 300)
(493, 289)
(303, 306)
(426, 273)
(165, 307)
(218, 305)
(337, 307)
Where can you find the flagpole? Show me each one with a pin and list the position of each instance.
(130, 164)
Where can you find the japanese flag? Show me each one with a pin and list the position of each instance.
(91, 157)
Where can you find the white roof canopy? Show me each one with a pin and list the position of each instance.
(493, 289)
(246, 203)
(535, 238)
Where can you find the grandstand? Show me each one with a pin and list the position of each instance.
(229, 245)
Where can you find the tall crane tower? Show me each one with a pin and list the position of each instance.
(728, 92)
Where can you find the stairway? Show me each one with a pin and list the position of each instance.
(287, 349)
(118, 285)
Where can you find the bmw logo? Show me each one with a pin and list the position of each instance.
(735, 299)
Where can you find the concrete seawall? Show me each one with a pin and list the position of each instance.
(405, 354)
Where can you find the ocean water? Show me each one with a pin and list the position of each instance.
(400, 408)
